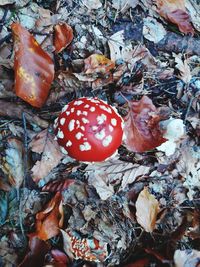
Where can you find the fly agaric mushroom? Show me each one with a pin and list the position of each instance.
(88, 129)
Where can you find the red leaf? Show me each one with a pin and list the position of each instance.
(182, 20)
(36, 255)
(63, 36)
(141, 128)
(34, 69)
(175, 12)
(50, 219)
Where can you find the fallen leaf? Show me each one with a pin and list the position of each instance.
(193, 7)
(141, 126)
(50, 219)
(36, 255)
(186, 258)
(175, 12)
(34, 69)
(184, 68)
(44, 143)
(92, 4)
(8, 255)
(123, 5)
(14, 162)
(153, 30)
(63, 36)
(104, 175)
(147, 208)
(98, 64)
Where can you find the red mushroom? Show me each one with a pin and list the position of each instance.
(88, 129)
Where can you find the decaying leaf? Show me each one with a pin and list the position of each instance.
(36, 255)
(147, 208)
(186, 258)
(175, 12)
(63, 36)
(34, 69)
(50, 219)
(141, 127)
(105, 175)
(89, 249)
(45, 144)
(8, 256)
(14, 162)
(184, 69)
(153, 30)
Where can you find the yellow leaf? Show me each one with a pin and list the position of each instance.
(147, 208)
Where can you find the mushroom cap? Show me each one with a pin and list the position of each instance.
(88, 129)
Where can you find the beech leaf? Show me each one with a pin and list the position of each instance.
(147, 208)
(175, 12)
(63, 36)
(141, 127)
(34, 68)
(50, 219)
(44, 143)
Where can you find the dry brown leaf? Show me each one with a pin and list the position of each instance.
(147, 208)
(51, 155)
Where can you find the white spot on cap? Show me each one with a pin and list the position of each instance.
(60, 134)
(94, 128)
(85, 113)
(92, 109)
(69, 143)
(67, 113)
(94, 101)
(71, 125)
(64, 151)
(114, 122)
(78, 112)
(78, 102)
(82, 128)
(86, 106)
(106, 142)
(101, 118)
(106, 108)
(62, 121)
(110, 128)
(85, 146)
(65, 108)
(84, 120)
(100, 135)
(72, 110)
(79, 135)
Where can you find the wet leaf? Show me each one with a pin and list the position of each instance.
(63, 36)
(50, 219)
(147, 208)
(175, 12)
(141, 127)
(36, 255)
(45, 144)
(34, 69)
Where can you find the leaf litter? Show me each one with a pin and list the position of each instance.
(140, 208)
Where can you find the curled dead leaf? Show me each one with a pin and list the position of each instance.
(50, 219)
(63, 36)
(141, 126)
(147, 208)
(34, 69)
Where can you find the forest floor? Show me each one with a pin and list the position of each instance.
(139, 208)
